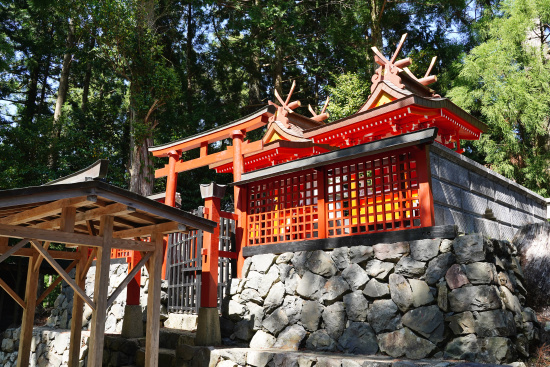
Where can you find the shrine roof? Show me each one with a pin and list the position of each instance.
(40, 208)
(408, 101)
(426, 136)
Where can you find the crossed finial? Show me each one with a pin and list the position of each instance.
(286, 106)
(389, 69)
(323, 115)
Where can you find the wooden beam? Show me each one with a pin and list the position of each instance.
(101, 287)
(55, 283)
(77, 312)
(40, 258)
(28, 252)
(113, 209)
(9, 251)
(89, 263)
(169, 227)
(70, 238)
(153, 300)
(70, 281)
(128, 279)
(25, 338)
(447, 231)
(12, 293)
(46, 210)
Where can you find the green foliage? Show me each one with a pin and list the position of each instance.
(348, 95)
(505, 81)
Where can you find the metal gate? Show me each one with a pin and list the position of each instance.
(184, 267)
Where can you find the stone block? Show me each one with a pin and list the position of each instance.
(446, 194)
(494, 323)
(404, 342)
(481, 185)
(310, 286)
(133, 329)
(311, 315)
(359, 338)
(384, 315)
(321, 341)
(334, 317)
(356, 306)
(400, 291)
(464, 221)
(496, 350)
(355, 276)
(275, 322)
(274, 297)
(502, 213)
(424, 250)
(434, 164)
(262, 263)
(292, 306)
(437, 267)
(454, 173)
(427, 321)
(456, 277)
(522, 202)
(421, 294)
(360, 254)
(376, 289)
(334, 289)
(341, 257)
(391, 252)
(442, 296)
(504, 195)
(469, 248)
(290, 338)
(378, 269)
(258, 359)
(475, 298)
(507, 233)
(410, 268)
(488, 227)
(480, 273)
(473, 203)
(462, 323)
(464, 347)
(439, 214)
(262, 340)
(319, 262)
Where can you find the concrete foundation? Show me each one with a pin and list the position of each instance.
(132, 325)
(208, 327)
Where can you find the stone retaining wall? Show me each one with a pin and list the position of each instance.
(463, 191)
(460, 299)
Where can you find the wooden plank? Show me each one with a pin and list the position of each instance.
(447, 231)
(63, 274)
(55, 283)
(153, 298)
(101, 287)
(83, 217)
(70, 238)
(45, 210)
(128, 279)
(12, 293)
(169, 227)
(25, 338)
(77, 312)
(9, 251)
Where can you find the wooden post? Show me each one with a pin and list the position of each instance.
(210, 245)
(133, 289)
(427, 216)
(28, 314)
(153, 303)
(101, 287)
(170, 198)
(78, 304)
(321, 207)
(239, 194)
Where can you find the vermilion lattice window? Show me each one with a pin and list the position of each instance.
(283, 209)
(377, 193)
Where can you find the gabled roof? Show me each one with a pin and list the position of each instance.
(40, 208)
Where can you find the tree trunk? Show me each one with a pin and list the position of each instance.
(376, 29)
(87, 79)
(30, 103)
(141, 163)
(64, 78)
(189, 51)
(278, 69)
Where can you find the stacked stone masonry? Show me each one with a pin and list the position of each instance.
(477, 199)
(459, 299)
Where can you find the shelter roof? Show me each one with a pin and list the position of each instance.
(134, 215)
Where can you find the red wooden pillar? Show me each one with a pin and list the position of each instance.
(133, 288)
(211, 193)
(170, 199)
(239, 198)
(427, 218)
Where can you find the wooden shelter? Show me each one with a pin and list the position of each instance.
(92, 219)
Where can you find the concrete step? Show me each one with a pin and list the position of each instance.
(171, 338)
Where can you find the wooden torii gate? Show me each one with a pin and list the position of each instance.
(93, 218)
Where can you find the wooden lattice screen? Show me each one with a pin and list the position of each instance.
(365, 195)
